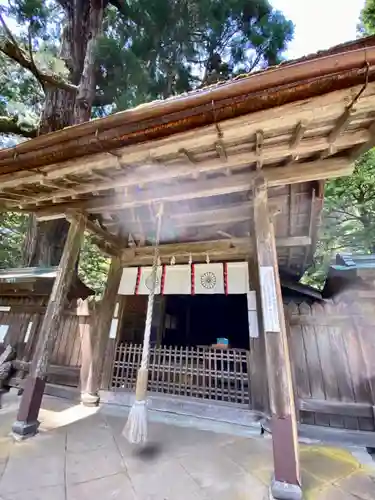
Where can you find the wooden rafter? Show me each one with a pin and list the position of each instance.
(207, 188)
(270, 154)
(297, 135)
(259, 141)
(224, 215)
(341, 124)
(238, 130)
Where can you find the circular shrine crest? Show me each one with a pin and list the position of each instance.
(208, 280)
(149, 282)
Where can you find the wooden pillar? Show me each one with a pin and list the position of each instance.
(100, 334)
(27, 423)
(257, 355)
(86, 330)
(286, 482)
(115, 332)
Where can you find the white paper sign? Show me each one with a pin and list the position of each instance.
(269, 299)
(237, 277)
(128, 281)
(253, 324)
(113, 329)
(251, 301)
(209, 279)
(146, 282)
(177, 280)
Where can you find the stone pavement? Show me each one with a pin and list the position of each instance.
(80, 454)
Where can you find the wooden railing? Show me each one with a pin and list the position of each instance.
(200, 372)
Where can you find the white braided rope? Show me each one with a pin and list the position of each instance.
(150, 303)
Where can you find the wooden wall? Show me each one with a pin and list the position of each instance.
(332, 347)
(23, 322)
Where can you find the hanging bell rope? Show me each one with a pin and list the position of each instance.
(135, 429)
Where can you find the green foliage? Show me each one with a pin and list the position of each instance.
(12, 233)
(367, 18)
(167, 47)
(348, 223)
(93, 266)
(149, 49)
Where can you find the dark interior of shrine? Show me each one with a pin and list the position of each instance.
(201, 319)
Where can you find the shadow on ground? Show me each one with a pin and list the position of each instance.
(80, 454)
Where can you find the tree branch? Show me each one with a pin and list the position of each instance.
(10, 125)
(35, 72)
(10, 48)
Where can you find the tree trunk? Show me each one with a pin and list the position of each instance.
(44, 242)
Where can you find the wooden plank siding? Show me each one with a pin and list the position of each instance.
(332, 350)
(66, 355)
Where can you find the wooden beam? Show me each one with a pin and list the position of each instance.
(341, 124)
(232, 249)
(297, 135)
(58, 187)
(292, 174)
(221, 215)
(106, 248)
(259, 140)
(328, 107)
(271, 153)
(27, 418)
(98, 231)
(281, 398)
(186, 154)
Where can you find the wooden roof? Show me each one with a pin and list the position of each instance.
(296, 124)
(37, 281)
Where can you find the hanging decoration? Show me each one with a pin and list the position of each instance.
(177, 280)
(187, 279)
(209, 279)
(146, 280)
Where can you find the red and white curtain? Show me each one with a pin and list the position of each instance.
(216, 278)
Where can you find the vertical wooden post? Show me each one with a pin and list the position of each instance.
(100, 333)
(115, 333)
(86, 329)
(286, 482)
(27, 423)
(257, 355)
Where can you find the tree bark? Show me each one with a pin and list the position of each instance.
(44, 241)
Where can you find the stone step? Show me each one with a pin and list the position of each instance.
(174, 406)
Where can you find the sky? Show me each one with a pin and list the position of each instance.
(319, 24)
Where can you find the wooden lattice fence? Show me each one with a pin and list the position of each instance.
(201, 372)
